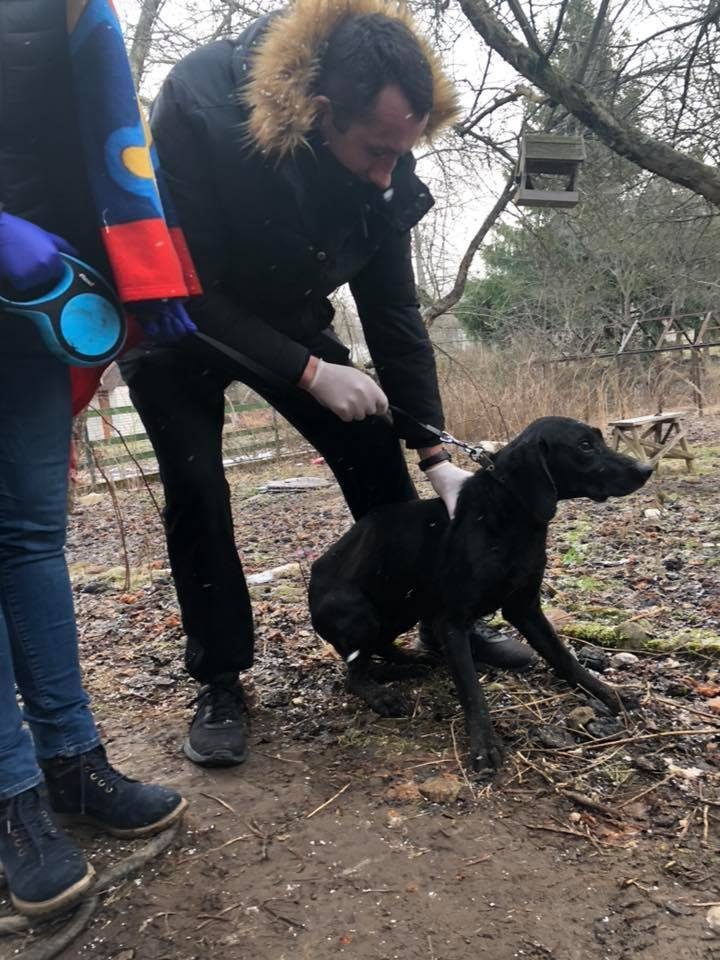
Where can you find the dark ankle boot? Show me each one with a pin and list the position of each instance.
(86, 788)
(45, 871)
(492, 648)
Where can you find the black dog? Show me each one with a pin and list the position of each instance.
(408, 562)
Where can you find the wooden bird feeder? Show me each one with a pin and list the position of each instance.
(548, 170)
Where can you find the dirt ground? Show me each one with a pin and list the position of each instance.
(598, 840)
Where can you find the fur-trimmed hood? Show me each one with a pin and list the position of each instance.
(285, 62)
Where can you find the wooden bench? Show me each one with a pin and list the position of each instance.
(653, 437)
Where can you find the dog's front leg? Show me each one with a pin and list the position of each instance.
(485, 747)
(540, 634)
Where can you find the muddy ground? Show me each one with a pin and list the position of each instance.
(598, 840)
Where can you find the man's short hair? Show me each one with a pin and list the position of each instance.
(366, 53)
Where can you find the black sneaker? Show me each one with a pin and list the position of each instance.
(87, 789)
(219, 731)
(44, 869)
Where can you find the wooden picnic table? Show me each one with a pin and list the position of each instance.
(652, 437)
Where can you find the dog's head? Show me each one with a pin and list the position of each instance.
(557, 458)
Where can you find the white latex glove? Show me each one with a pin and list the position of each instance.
(446, 480)
(349, 393)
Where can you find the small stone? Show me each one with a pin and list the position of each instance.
(603, 728)
(652, 513)
(441, 789)
(712, 918)
(624, 661)
(677, 909)
(406, 792)
(578, 717)
(672, 563)
(713, 704)
(554, 738)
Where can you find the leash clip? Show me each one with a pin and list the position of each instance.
(476, 454)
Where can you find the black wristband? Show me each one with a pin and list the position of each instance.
(434, 459)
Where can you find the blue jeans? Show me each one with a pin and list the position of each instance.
(38, 637)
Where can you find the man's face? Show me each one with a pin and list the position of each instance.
(370, 148)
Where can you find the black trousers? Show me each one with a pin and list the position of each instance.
(179, 394)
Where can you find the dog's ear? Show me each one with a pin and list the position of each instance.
(528, 477)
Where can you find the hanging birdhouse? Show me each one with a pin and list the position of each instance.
(548, 170)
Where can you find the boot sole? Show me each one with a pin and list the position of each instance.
(62, 901)
(218, 758)
(127, 833)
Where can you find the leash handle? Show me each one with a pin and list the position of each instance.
(80, 320)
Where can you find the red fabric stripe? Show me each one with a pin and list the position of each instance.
(188, 267)
(144, 261)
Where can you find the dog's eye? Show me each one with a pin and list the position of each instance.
(585, 444)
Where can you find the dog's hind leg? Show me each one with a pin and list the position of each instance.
(344, 617)
(532, 623)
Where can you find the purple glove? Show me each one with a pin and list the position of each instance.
(163, 320)
(29, 255)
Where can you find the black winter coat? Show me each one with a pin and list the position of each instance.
(272, 238)
(42, 176)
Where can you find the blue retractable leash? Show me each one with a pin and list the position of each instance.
(80, 320)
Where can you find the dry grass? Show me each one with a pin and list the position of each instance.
(492, 394)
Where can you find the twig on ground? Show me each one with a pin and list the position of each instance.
(281, 917)
(206, 853)
(328, 802)
(461, 768)
(643, 793)
(220, 801)
(118, 517)
(610, 742)
(221, 915)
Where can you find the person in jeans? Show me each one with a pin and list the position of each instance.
(52, 761)
(287, 152)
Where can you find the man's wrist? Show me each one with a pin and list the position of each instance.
(308, 374)
(425, 452)
(434, 459)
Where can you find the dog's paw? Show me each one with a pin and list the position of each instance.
(388, 703)
(629, 698)
(487, 754)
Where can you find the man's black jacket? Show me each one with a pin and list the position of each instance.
(273, 236)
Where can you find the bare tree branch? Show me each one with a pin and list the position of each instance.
(142, 38)
(595, 33)
(627, 141)
(435, 310)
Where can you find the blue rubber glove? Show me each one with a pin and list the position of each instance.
(29, 255)
(163, 320)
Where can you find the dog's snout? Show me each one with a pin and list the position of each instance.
(645, 470)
